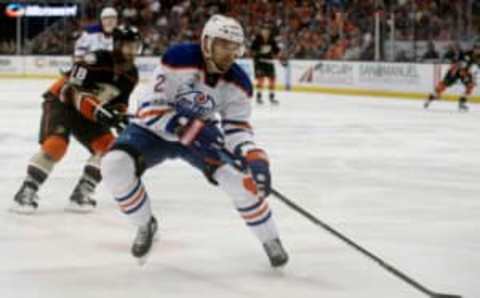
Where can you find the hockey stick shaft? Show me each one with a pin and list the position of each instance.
(227, 157)
(105, 112)
(350, 242)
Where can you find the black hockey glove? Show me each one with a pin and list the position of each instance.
(110, 117)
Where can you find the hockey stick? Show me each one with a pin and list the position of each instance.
(106, 113)
(228, 158)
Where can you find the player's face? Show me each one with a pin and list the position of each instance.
(109, 23)
(130, 50)
(224, 53)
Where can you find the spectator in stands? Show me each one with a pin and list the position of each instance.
(308, 28)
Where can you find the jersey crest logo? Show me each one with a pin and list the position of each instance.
(199, 103)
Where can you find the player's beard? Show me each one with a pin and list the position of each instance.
(123, 61)
(222, 66)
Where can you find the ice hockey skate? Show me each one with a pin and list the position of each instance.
(143, 241)
(25, 200)
(462, 105)
(81, 200)
(276, 253)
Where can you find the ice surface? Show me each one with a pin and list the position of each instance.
(399, 180)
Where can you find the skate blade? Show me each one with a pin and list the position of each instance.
(75, 208)
(24, 210)
(279, 266)
(141, 261)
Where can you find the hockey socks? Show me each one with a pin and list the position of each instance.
(255, 212)
(134, 203)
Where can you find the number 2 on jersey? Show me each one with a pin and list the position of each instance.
(160, 80)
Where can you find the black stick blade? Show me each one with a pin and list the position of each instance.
(439, 295)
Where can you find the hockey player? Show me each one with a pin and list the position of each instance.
(97, 37)
(103, 81)
(94, 38)
(264, 49)
(460, 70)
(196, 87)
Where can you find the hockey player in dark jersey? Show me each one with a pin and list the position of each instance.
(460, 70)
(91, 100)
(264, 49)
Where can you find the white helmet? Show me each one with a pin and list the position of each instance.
(108, 12)
(219, 26)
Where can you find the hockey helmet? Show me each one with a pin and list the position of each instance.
(123, 34)
(219, 26)
(108, 12)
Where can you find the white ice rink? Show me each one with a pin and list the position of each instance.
(399, 180)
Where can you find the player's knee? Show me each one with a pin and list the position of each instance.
(271, 83)
(55, 147)
(440, 88)
(117, 170)
(259, 82)
(236, 184)
(249, 185)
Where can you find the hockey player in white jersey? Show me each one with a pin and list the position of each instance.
(97, 37)
(198, 102)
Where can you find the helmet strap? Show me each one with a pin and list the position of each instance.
(207, 45)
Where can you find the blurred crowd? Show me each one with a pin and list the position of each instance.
(304, 29)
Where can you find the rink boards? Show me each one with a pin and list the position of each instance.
(404, 80)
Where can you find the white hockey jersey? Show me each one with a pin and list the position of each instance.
(181, 76)
(92, 39)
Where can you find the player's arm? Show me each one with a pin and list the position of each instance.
(239, 139)
(82, 92)
(82, 47)
(169, 109)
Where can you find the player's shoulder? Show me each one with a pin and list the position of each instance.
(98, 58)
(184, 55)
(239, 77)
(91, 29)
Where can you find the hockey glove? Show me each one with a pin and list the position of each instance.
(257, 162)
(110, 117)
(205, 138)
(208, 142)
